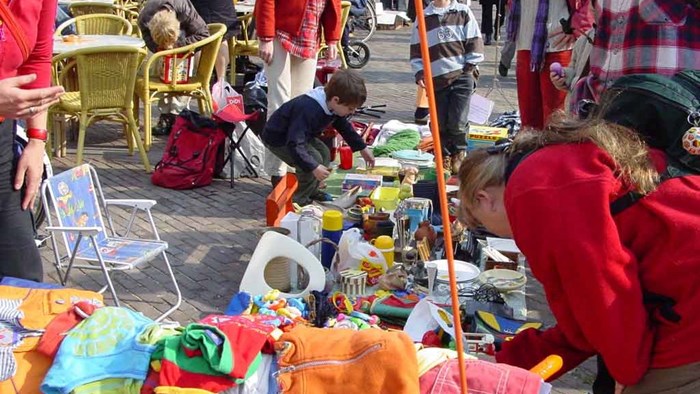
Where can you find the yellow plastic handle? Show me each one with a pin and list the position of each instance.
(548, 367)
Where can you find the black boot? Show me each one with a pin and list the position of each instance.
(488, 40)
(275, 180)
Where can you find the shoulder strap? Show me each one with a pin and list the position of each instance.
(514, 160)
(9, 20)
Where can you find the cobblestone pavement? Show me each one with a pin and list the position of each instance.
(212, 231)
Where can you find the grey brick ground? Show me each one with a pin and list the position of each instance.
(212, 231)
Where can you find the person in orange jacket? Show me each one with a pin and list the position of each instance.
(621, 285)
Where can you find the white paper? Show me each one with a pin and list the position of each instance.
(480, 109)
(425, 317)
(502, 244)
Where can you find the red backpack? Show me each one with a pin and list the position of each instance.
(189, 159)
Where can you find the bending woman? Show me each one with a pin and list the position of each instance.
(622, 286)
(25, 93)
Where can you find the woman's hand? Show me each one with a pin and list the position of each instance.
(19, 103)
(29, 171)
(266, 51)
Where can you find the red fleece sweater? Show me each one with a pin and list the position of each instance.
(594, 266)
(36, 17)
(286, 15)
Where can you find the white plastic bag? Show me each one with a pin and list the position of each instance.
(253, 149)
(224, 94)
(348, 241)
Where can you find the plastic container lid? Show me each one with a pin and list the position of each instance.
(332, 220)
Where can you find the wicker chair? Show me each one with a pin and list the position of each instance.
(97, 24)
(241, 47)
(126, 11)
(106, 76)
(78, 8)
(150, 86)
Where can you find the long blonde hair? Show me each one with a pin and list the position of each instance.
(482, 169)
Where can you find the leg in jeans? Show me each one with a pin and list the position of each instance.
(20, 256)
(487, 17)
(442, 102)
(529, 94)
(507, 53)
(457, 125)
(552, 98)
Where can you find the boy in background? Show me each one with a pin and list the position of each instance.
(456, 49)
(292, 131)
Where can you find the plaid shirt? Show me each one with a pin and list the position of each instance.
(641, 36)
(305, 45)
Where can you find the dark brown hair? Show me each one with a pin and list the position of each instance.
(348, 86)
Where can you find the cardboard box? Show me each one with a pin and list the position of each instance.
(366, 181)
(484, 136)
(185, 66)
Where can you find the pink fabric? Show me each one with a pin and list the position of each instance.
(305, 45)
(482, 377)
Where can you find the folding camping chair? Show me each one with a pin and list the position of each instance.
(229, 117)
(78, 202)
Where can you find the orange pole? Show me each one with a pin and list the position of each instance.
(435, 130)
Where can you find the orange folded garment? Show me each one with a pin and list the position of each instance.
(312, 360)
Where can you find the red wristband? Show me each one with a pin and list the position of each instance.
(37, 134)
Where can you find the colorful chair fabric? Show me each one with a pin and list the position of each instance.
(80, 210)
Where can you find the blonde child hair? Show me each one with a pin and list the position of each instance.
(165, 29)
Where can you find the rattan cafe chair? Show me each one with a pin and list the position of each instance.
(244, 46)
(106, 76)
(150, 87)
(97, 24)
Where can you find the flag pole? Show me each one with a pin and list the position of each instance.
(442, 191)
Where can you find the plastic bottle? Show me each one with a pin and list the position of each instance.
(345, 157)
(332, 229)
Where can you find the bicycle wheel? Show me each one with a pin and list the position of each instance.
(357, 54)
(364, 26)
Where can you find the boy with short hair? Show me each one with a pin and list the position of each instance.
(292, 131)
(456, 48)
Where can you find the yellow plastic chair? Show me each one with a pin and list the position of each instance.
(97, 24)
(106, 76)
(345, 13)
(150, 86)
(241, 47)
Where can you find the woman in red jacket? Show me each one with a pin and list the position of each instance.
(622, 286)
(289, 34)
(25, 93)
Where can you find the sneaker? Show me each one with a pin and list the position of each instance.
(421, 116)
(502, 70)
(456, 161)
(164, 125)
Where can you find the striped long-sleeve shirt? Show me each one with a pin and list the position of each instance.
(454, 42)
